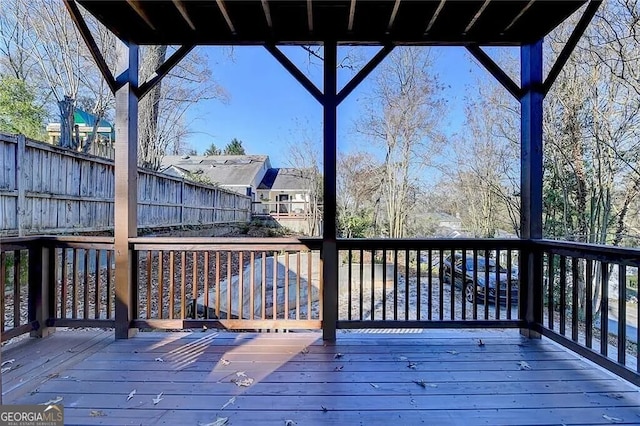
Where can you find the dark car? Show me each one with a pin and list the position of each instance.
(503, 278)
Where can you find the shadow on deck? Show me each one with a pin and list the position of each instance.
(436, 377)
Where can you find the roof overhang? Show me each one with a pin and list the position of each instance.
(298, 22)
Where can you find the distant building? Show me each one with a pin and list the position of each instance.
(284, 191)
(85, 121)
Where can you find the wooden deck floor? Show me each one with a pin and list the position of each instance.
(437, 378)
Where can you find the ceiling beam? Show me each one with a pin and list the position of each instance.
(435, 16)
(225, 14)
(519, 15)
(179, 4)
(81, 24)
(476, 16)
(137, 7)
(310, 15)
(392, 19)
(352, 14)
(267, 13)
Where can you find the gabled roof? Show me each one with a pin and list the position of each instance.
(424, 22)
(284, 179)
(226, 170)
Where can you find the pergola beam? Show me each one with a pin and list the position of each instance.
(85, 33)
(137, 7)
(310, 15)
(225, 15)
(476, 16)
(519, 15)
(295, 72)
(433, 19)
(571, 44)
(352, 15)
(495, 70)
(163, 70)
(267, 13)
(392, 18)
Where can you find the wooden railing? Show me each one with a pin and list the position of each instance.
(242, 283)
(586, 305)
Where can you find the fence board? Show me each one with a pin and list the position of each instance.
(61, 190)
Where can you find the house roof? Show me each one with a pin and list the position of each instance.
(283, 179)
(423, 22)
(226, 170)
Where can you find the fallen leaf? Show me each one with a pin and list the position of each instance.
(480, 343)
(453, 352)
(615, 395)
(133, 392)
(403, 358)
(220, 421)
(338, 368)
(159, 359)
(96, 413)
(157, 399)
(53, 401)
(373, 385)
(305, 351)
(53, 375)
(324, 409)
(420, 383)
(225, 361)
(290, 423)
(524, 365)
(338, 355)
(9, 361)
(228, 403)
(241, 373)
(243, 382)
(612, 419)
(412, 365)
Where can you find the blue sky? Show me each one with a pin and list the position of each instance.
(267, 106)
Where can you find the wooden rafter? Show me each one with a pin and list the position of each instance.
(519, 15)
(477, 16)
(267, 13)
(310, 15)
(225, 14)
(137, 7)
(352, 14)
(179, 4)
(435, 16)
(392, 19)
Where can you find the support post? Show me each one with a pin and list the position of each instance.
(126, 189)
(39, 298)
(21, 182)
(531, 175)
(329, 233)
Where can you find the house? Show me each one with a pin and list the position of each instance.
(284, 192)
(85, 121)
(239, 173)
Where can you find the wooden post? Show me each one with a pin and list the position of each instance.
(329, 233)
(39, 297)
(531, 174)
(126, 188)
(21, 180)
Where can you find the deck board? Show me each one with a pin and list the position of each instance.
(295, 375)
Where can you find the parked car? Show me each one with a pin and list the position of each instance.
(502, 278)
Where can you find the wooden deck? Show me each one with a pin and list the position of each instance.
(438, 377)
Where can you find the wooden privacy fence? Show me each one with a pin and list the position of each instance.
(48, 189)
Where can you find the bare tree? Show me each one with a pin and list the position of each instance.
(401, 115)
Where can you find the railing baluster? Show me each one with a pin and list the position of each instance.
(373, 285)
(218, 268)
(309, 282)
(622, 314)
(575, 279)
(96, 295)
(109, 286)
(637, 324)
(252, 284)
(160, 284)
(85, 282)
(395, 284)
(298, 272)
(604, 309)
(3, 277)
(452, 301)
(441, 286)
(487, 289)
(430, 285)
(498, 284)
(263, 285)
(361, 289)
(384, 284)
(418, 286)
(194, 284)
(509, 284)
(551, 289)
(74, 296)
(149, 290)
(406, 285)
(172, 281)
(464, 284)
(275, 285)
(205, 284)
(349, 285)
(589, 303)
(183, 283)
(229, 286)
(563, 293)
(475, 284)
(17, 284)
(240, 285)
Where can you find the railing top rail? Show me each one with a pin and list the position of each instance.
(430, 243)
(223, 243)
(629, 256)
(16, 243)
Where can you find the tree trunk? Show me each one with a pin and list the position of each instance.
(66, 107)
(150, 154)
